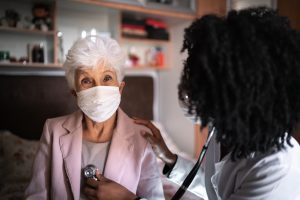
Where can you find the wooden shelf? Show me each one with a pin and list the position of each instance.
(144, 40)
(141, 9)
(22, 30)
(144, 67)
(54, 65)
(16, 64)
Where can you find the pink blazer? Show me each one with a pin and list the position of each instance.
(57, 166)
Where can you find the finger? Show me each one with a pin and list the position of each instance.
(149, 125)
(140, 121)
(92, 183)
(91, 197)
(99, 176)
(90, 192)
(148, 136)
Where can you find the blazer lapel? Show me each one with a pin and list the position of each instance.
(71, 145)
(120, 148)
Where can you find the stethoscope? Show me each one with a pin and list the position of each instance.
(190, 177)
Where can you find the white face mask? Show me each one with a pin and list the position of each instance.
(99, 103)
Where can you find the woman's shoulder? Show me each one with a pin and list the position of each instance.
(131, 129)
(61, 119)
(285, 156)
(278, 163)
(65, 120)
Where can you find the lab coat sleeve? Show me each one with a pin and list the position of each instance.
(150, 184)
(38, 187)
(260, 182)
(180, 171)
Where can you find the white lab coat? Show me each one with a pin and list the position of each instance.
(272, 176)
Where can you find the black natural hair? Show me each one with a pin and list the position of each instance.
(243, 71)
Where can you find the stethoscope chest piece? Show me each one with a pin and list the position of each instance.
(90, 171)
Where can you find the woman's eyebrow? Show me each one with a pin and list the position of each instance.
(81, 72)
(108, 70)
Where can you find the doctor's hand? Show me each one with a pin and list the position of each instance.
(105, 189)
(157, 142)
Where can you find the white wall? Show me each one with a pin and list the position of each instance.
(74, 17)
(242, 4)
(180, 129)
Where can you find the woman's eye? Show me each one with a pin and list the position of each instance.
(86, 81)
(107, 78)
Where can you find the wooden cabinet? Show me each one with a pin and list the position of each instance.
(148, 8)
(291, 9)
(211, 7)
(182, 6)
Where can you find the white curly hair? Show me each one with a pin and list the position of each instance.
(89, 52)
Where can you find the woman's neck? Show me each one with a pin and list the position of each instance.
(99, 132)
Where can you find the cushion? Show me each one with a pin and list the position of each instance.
(16, 159)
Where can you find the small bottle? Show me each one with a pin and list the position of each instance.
(38, 53)
(159, 57)
(151, 57)
(4, 56)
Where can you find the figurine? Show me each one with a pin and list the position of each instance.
(41, 17)
(11, 18)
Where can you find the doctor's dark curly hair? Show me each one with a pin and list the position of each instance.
(243, 71)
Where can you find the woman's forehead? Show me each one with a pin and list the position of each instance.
(97, 69)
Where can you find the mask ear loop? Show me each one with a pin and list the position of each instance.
(190, 177)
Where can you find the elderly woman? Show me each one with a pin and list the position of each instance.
(98, 134)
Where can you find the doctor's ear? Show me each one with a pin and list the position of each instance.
(121, 87)
(73, 93)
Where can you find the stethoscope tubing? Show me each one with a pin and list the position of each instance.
(190, 177)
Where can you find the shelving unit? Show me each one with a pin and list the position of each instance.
(16, 39)
(140, 49)
(144, 47)
(26, 31)
(146, 67)
(140, 9)
(17, 64)
(144, 40)
(57, 14)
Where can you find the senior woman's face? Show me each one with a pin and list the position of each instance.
(98, 76)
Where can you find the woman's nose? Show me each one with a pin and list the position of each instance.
(98, 83)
